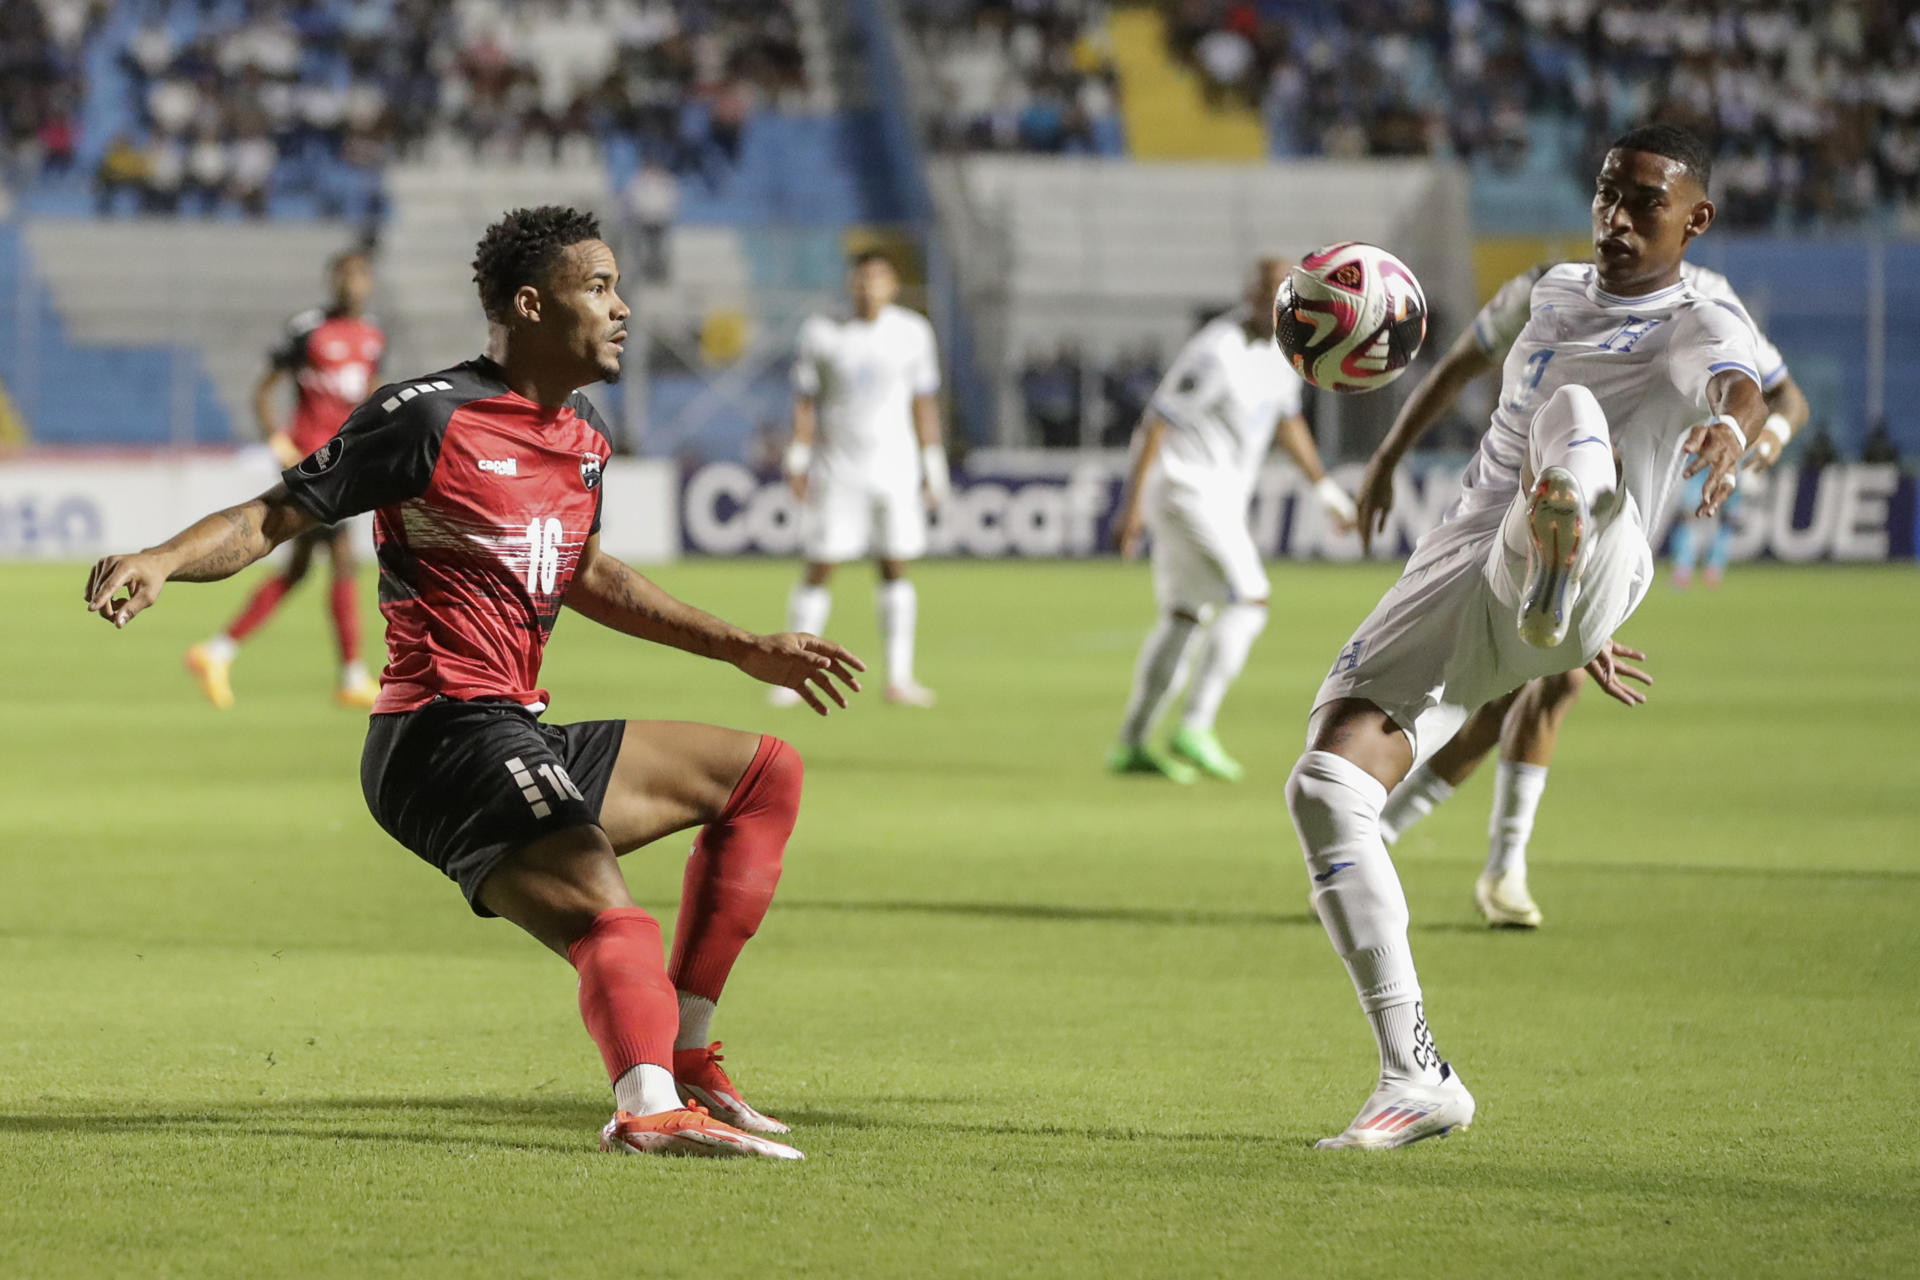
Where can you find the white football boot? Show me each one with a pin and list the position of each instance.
(1504, 901)
(781, 696)
(1557, 519)
(1400, 1112)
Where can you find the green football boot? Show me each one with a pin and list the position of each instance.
(1144, 759)
(1202, 747)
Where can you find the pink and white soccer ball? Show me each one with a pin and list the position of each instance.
(1350, 317)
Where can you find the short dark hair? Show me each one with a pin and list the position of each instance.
(1673, 142)
(521, 248)
(865, 256)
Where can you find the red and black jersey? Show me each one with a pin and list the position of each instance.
(483, 501)
(333, 359)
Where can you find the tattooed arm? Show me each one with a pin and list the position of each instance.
(214, 547)
(616, 595)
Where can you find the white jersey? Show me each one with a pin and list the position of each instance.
(864, 376)
(1506, 312)
(1647, 360)
(1222, 398)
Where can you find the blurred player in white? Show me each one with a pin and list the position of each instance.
(1196, 457)
(866, 459)
(1525, 724)
(1621, 370)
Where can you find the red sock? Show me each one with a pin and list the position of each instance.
(346, 618)
(259, 608)
(735, 865)
(625, 998)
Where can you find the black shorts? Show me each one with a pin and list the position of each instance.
(463, 784)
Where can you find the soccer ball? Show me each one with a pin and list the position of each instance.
(1350, 317)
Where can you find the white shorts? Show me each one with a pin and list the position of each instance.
(1203, 552)
(1443, 640)
(846, 518)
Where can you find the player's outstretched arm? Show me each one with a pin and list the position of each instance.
(1297, 440)
(616, 595)
(1465, 360)
(213, 547)
(1718, 444)
(1788, 411)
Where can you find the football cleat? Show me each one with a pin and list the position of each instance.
(909, 694)
(1504, 900)
(1556, 521)
(1401, 1112)
(359, 693)
(687, 1132)
(700, 1076)
(1202, 749)
(781, 696)
(1145, 759)
(212, 675)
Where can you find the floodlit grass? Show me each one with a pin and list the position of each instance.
(1027, 1019)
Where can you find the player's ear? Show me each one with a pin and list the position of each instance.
(1699, 218)
(526, 303)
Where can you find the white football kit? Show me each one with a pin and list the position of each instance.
(1221, 399)
(863, 376)
(1443, 640)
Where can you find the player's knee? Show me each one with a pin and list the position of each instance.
(1326, 793)
(1575, 401)
(1559, 692)
(781, 779)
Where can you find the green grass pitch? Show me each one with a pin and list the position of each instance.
(1026, 1019)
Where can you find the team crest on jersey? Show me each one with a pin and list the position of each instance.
(323, 458)
(590, 470)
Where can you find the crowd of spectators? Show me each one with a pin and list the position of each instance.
(1070, 401)
(1812, 105)
(1019, 75)
(230, 102)
(42, 83)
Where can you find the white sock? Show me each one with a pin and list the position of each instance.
(1223, 656)
(222, 648)
(898, 606)
(1570, 431)
(1356, 892)
(696, 1022)
(646, 1090)
(1516, 798)
(1407, 1051)
(1418, 794)
(807, 609)
(1161, 668)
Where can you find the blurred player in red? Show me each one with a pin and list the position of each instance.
(332, 356)
(486, 480)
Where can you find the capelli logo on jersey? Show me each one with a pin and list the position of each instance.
(501, 466)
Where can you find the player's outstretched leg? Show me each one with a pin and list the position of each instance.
(1431, 782)
(1335, 805)
(898, 607)
(357, 688)
(1160, 670)
(211, 661)
(1571, 452)
(1223, 656)
(1527, 742)
(728, 886)
(566, 890)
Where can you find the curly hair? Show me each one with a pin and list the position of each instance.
(521, 248)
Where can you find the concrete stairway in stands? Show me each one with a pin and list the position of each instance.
(1164, 105)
